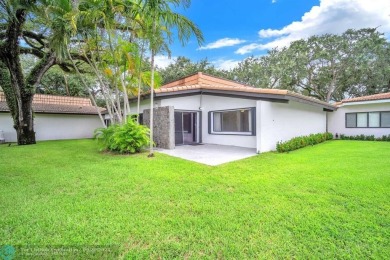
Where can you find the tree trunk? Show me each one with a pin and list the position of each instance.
(25, 125)
(153, 53)
(25, 135)
(151, 153)
(18, 92)
(23, 117)
(139, 81)
(86, 87)
(112, 111)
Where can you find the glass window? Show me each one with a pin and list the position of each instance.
(370, 119)
(187, 122)
(385, 119)
(232, 121)
(217, 122)
(361, 120)
(350, 120)
(373, 119)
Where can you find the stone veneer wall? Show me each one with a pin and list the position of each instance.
(163, 126)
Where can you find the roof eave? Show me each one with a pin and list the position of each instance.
(224, 93)
(280, 98)
(364, 102)
(58, 113)
(325, 106)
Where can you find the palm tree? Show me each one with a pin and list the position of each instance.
(65, 17)
(160, 21)
(96, 24)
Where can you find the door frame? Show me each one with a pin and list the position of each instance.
(197, 126)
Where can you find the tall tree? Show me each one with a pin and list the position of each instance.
(26, 29)
(160, 22)
(182, 67)
(329, 67)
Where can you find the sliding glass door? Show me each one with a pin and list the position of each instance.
(179, 128)
(186, 127)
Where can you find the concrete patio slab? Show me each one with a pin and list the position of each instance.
(210, 154)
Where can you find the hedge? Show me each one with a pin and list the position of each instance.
(385, 138)
(302, 141)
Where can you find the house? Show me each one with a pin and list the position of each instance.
(205, 109)
(368, 115)
(55, 117)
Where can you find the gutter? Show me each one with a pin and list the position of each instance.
(248, 95)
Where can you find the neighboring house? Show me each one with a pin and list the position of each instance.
(206, 109)
(55, 117)
(368, 115)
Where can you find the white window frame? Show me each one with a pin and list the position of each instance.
(367, 114)
(252, 122)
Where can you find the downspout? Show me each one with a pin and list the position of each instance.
(258, 126)
(200, 126)
(327, 121)
(200, 101)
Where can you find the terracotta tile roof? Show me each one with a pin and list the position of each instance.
(202, 81)
(57, 105)
(61, 100)
(367, 98)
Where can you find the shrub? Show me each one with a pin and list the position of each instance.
(362, 137)
(302, 141)
(127, 138)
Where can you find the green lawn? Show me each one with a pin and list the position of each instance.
(326, 201)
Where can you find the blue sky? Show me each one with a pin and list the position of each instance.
(236, 29)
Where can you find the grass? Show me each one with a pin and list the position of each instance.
(327, 201)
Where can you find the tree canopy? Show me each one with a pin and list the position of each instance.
(104, 38)
(183, 67)
(329, 67)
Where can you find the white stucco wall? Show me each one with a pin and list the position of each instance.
(274, 121)
(281, 122)
(6, 125)
(184, 103)
(54, 126)
(145, 104)
(336, 120)
(212, 103)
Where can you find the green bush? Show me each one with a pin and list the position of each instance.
(302, 141)
(385, 138)
(127, 138)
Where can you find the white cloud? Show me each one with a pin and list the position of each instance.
(331, 16)
(225, 64)
(225, 42)
(163, 61)
(248, 48)
(273, 1)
